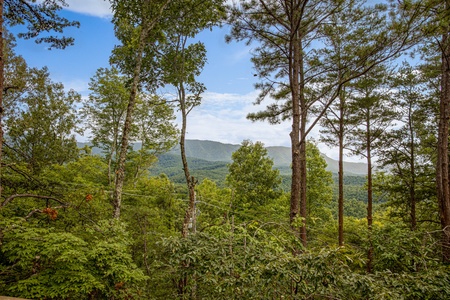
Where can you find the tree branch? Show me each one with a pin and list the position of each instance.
(12, 197)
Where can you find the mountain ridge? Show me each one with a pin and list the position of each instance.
(213, 151)
(281, 155)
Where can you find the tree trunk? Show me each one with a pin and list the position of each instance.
(113, 153)
(412, 170)
(120, 172)
(294, 68)
(303, 167)
(147, 26)
(190, 181)
(341, 174)
(110, 176)
(442, 168)
(2, 65)
(369, 197)
(298, 141)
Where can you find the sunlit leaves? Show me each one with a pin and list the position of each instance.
(49, 263)
(41, 123)
(252, 177)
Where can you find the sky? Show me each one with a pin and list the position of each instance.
(228, 77)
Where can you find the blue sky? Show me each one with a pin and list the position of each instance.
(228, 76)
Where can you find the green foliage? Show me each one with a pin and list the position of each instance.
(87, 171)
(57, 240)
(409, 156)
(354, 187)
(105, 114)
(369, 106)
(153, 122)
(251, 263)
(355, 208)
(39, 16)
(104, 111)
(32, 136)
(153, 203)
(228, 263)
(42, 263)
(319, 193)
(15, 72)
(252, 177)
(213, 204)
(398, 249)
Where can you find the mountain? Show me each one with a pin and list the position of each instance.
(220, 152)
(207, 150)
(209, 157)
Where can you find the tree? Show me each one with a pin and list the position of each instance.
(286, 32)
(443, 164)
(39, 17)
(406, 152)
(435, 42)
(280, 57)
(214, 203)
(370, 109)
(182, 62)
(53, 263)
(105, 114)
(40, 126)
(136, 27)
(341, 34)
(252, 178)
(153, 127)
(104, 111)
(319, 190)
(434, 23)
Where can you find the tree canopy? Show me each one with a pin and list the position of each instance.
(76, 223)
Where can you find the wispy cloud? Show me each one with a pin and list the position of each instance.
(240, 55)
(79, 85)
(223, 117)
(97, 8)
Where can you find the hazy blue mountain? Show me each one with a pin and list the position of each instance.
(204, 152)
(207, 150)
(216, 151)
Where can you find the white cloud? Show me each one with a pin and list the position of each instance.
(222, 117)
(78, 85)
(97, 8)
(241, 55)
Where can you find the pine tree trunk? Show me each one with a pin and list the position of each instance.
(2, 66)
(341, 170)
(412, 170)
(298, 141)
(442, 168)
(294, 67)
(341, 185)
(303, 167)
(369, 198)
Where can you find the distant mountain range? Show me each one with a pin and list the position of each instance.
(214, 155)
(219, 152)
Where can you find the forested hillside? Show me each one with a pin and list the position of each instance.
(281, 156)
(215, 155)
(209, 160)
(142, 212)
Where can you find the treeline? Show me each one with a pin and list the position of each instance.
(77, 225)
